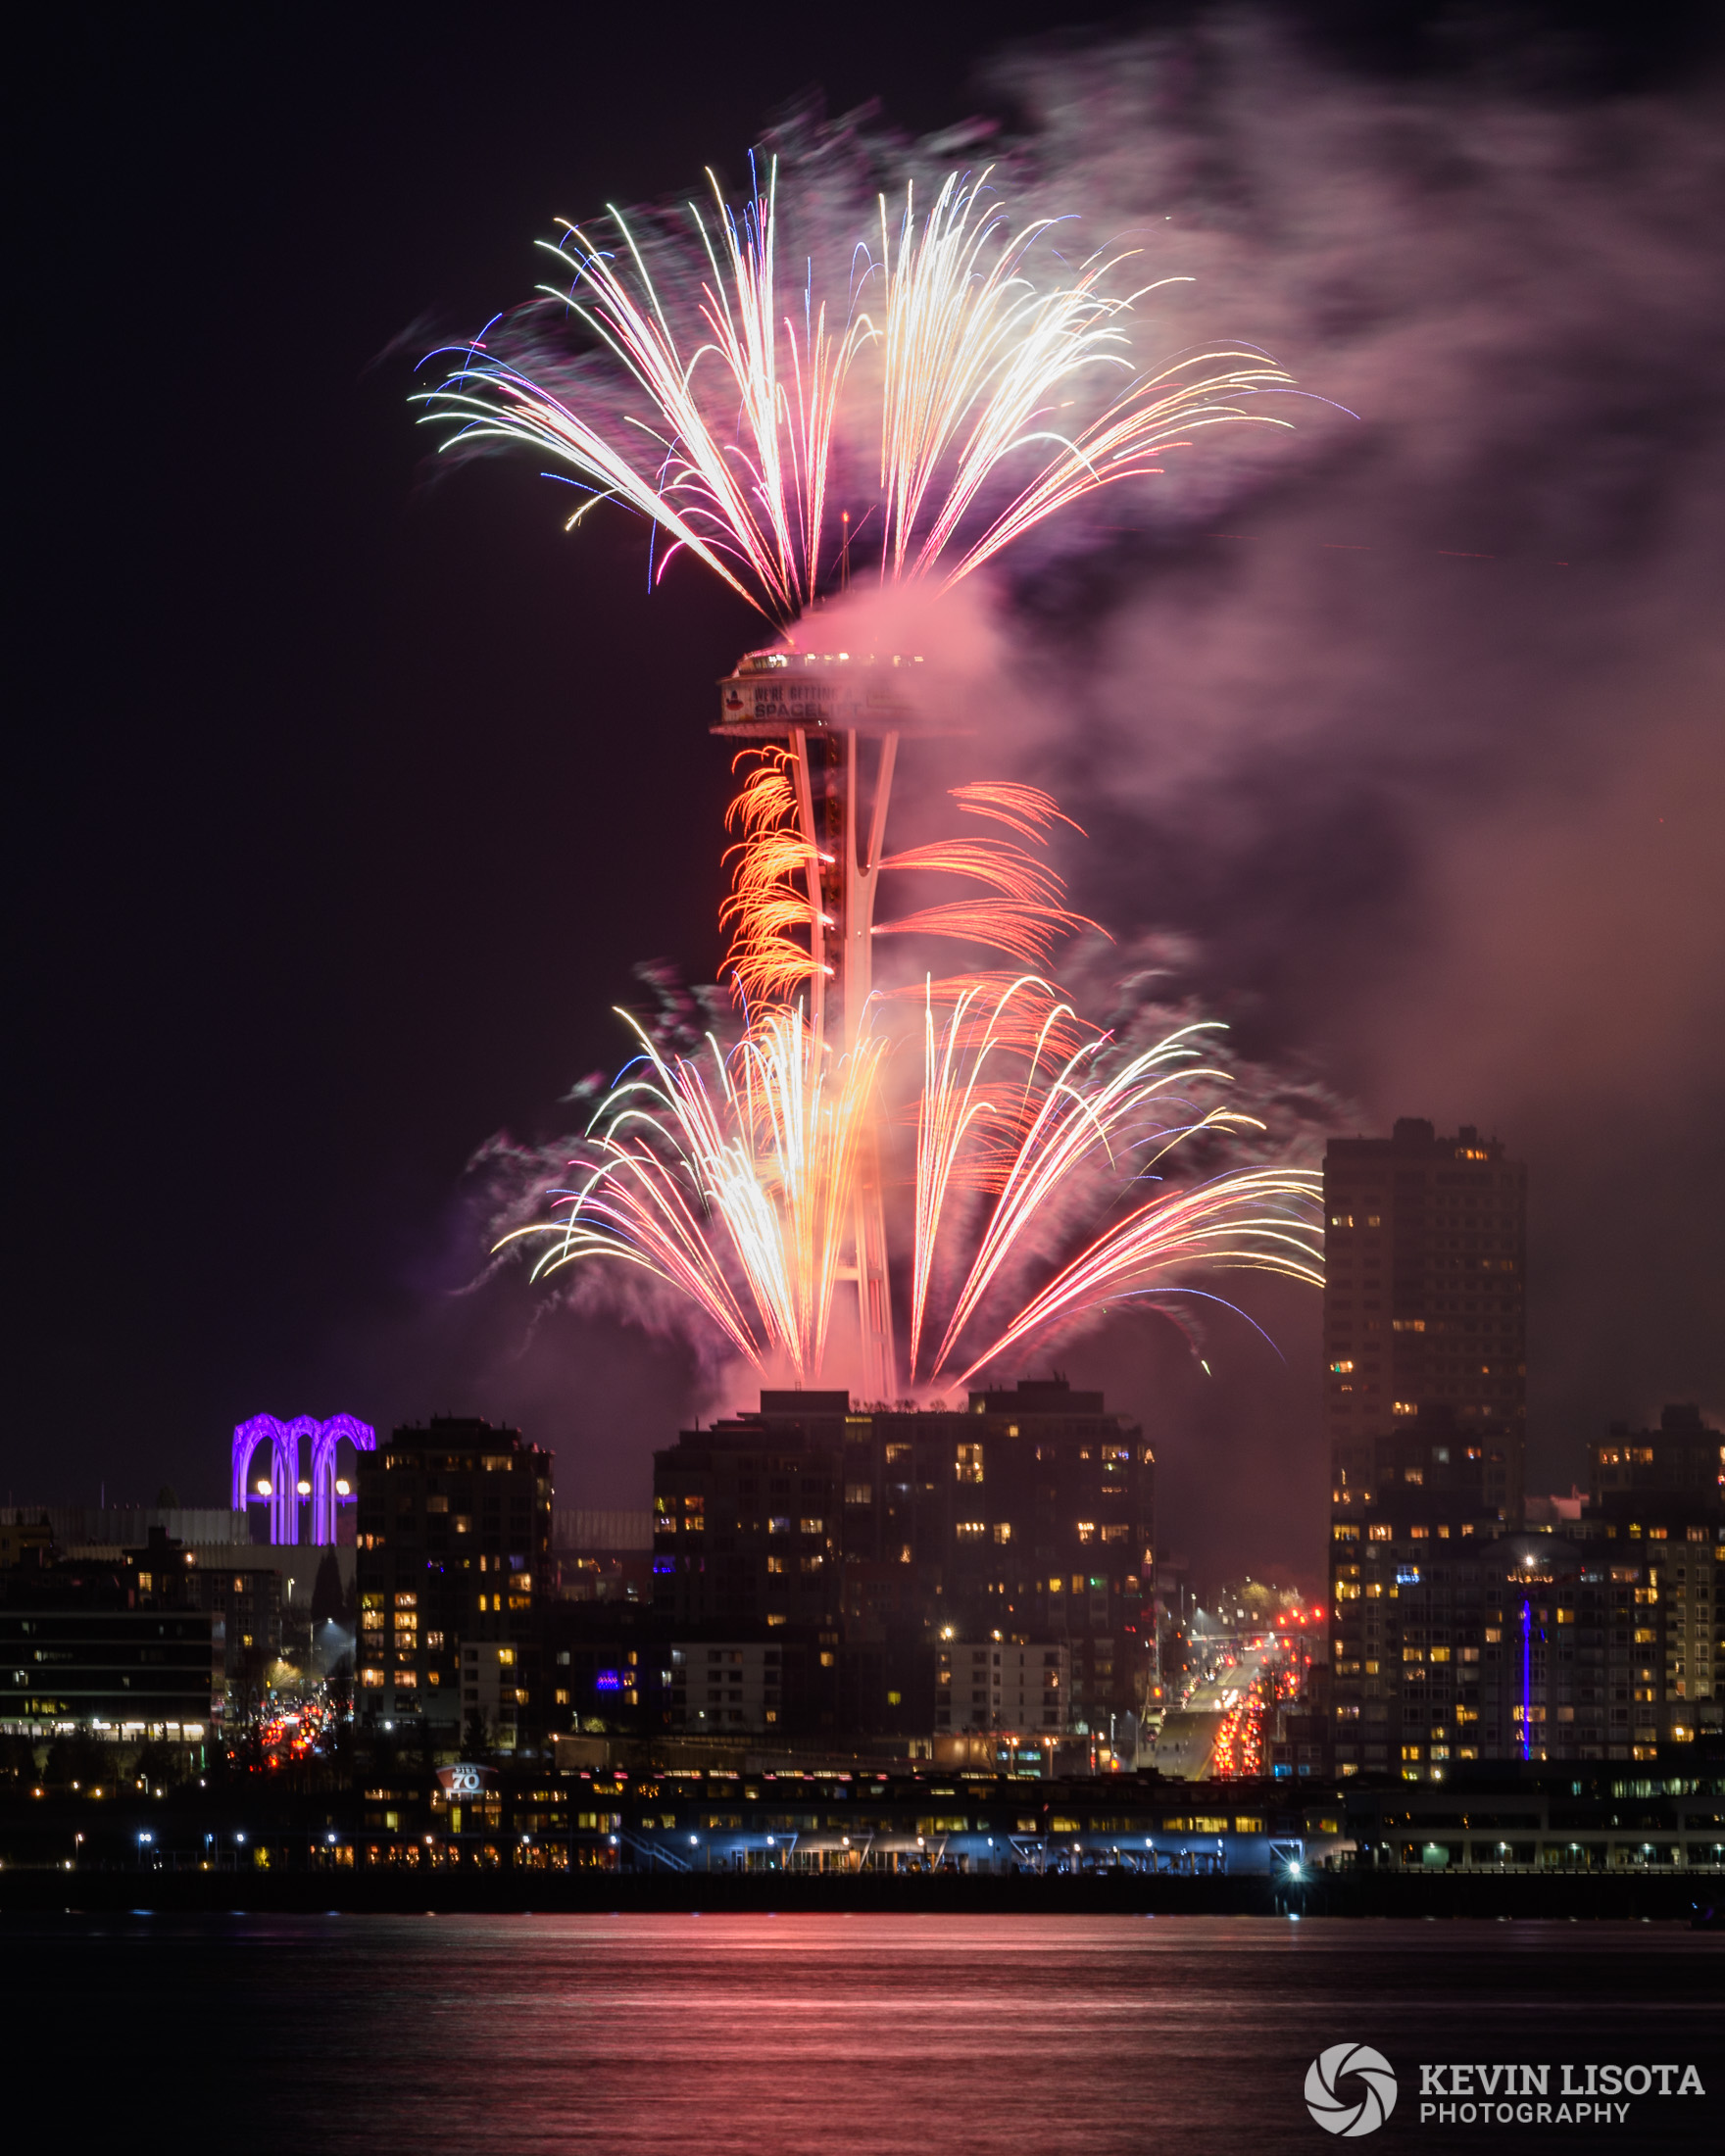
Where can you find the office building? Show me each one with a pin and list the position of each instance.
(111, 1650)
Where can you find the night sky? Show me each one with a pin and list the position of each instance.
(345, 799)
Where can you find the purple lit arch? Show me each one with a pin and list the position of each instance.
(283, 1439)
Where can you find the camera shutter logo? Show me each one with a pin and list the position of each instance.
(1368, 2099)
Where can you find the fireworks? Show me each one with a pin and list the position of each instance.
(965, 379)
(736, 1178)
(967, 385)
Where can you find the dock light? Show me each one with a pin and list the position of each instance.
(694, 1840)
(343, 1487)
(303, 1486)
(264, 1486)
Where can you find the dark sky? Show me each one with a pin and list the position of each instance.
(343, 803)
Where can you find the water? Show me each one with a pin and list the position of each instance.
(814, 2032)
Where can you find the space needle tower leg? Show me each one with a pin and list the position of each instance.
(874, 1309)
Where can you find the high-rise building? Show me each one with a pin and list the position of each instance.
(745, 1518)
(1658, 1496)
(1453, 1641)
(1415, 1559)
(1029, 1513)
(454, 1541)
(1424, 1304)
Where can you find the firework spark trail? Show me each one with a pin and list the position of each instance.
(959, 1113)
(769, 887)
(977, 359)
(1259, 1218)
(1077, 1116)
(1026, 808)
(772, 885)
(739, 1194)
(681, 1175)
(1023, 931)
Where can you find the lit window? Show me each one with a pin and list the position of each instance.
(972, 1531)
(370, 1676)
(1004, 1532)
(1087, 1531)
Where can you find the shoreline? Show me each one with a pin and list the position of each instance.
(1692, 1900)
